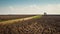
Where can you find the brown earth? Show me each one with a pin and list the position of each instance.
(45, 25)
(10, 17)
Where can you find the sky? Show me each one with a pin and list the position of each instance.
(29, 6)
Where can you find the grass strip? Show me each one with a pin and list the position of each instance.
(21, 19)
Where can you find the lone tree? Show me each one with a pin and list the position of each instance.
(45, 13)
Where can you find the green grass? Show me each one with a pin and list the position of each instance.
(33, 17)
(38, 16)
(1, 20)
(21, 19)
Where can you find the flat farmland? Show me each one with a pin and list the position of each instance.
(31, 24)
(10, 17)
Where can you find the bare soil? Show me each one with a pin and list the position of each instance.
(47, 24)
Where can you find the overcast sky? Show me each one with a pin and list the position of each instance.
(29, 6)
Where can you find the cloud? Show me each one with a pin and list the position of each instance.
(33, 9)
(11, 8)
(51, 8)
